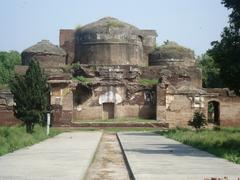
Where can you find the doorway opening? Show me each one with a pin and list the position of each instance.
(214, 112)
(108, 110)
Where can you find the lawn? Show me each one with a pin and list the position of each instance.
(108, 129)
(15, 137)
(224, 143)
(119, 120)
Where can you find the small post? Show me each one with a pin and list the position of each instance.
(48, 122)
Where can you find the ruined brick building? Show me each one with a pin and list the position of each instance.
(110, 69)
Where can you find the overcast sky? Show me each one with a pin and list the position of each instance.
(192, 23)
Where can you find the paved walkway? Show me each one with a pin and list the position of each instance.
(152, 156)
(64, 157)
(108, 161)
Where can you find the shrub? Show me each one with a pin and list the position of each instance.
(199, 120)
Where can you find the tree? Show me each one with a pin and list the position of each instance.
(226, 52)
(31, 95)
(210, 72)
(198, 121)
(7, 62)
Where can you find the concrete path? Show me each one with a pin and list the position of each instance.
(64, 157)
(108, 161)
(152, 156)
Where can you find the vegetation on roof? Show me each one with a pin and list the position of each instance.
(114, 24)
(69, 67)
(45, 46)
(83, 80)
(148, 82)
(172, 50)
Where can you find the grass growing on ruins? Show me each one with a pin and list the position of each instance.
(224, 142)
(148, 82)
(4, 87)
(15, 137)
(83, 80)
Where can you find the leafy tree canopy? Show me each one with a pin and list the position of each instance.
(210, 72)
(226, 52)
(7, 62)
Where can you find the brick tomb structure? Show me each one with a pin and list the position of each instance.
(110, 69)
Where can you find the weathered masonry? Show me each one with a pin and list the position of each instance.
(110, 69)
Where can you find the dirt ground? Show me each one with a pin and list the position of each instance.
(108, 163)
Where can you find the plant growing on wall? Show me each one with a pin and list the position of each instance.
(198, 121)
(148, 82)
(83, 80)
(31, 95)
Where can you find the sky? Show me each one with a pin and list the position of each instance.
(191, 23)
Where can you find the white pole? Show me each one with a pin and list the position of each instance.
(48, 123)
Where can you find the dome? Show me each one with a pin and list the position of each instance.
(171, 52)
(107, 25)
(45, 47)
(47, 54)
(109, 41)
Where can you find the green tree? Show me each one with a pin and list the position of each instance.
(31, 95)
(7, 62)
(210, 72)
(226, 52)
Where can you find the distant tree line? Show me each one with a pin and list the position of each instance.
(7, 62)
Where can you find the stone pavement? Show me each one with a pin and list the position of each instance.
(151, 156)
(64, 157)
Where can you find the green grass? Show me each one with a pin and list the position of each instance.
(224, 143)
(4, 87)
(109, 129)
(83, 80)
(15, 137)
(148, 82)
(119, 120)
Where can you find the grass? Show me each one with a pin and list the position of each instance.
(120, 120)
(110, 129)
(148, 82)
(224, 143)
(15, 137)
(83, 80)
(4, 87)
(114, 24)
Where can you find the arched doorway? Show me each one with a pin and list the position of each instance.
(214, 112)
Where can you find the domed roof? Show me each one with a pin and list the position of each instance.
(106, 24)
(45, 47)
(172, 50)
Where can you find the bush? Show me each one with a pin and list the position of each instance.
(199, 120)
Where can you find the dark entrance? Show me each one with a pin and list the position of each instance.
(213, 112)
(108, 110)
